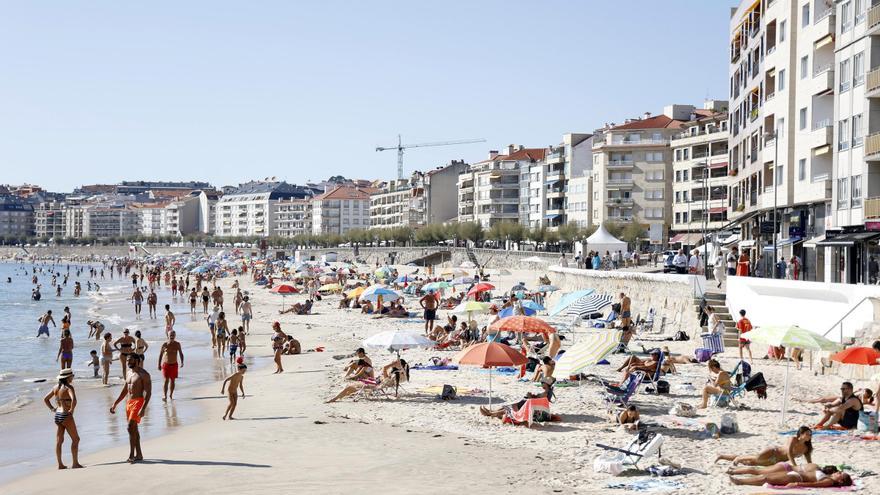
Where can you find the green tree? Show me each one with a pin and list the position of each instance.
(632, 232)
(471, 231)
(613, 228)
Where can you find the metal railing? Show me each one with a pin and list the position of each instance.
(821, 125)
(872, 144)
(874, 17)
(872, 208)
(873, 79)
(820, 16)
(839, 323)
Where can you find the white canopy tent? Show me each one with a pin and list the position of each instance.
(602, 241)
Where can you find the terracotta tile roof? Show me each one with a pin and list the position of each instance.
(347, 192)
(532, 154)
(657, 122)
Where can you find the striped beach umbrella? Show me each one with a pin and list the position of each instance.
(587, 352)
(588, 305)
(568, 299)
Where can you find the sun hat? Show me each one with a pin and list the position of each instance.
(65, 373)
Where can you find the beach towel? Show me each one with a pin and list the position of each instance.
(816, 433)
(436, 368)
(532, 410)
(856, 486)
(648, 485)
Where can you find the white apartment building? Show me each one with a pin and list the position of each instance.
(782, 93)
(49, 219)
(400, 203)
(293, 217)
(544, 183)
(632, 166)
(492, 190)
(250, 209)
(109, 220)
(579, 200)
(207, 204)
(700, 177)
(340, 210)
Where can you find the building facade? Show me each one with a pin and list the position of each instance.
(498, 189)
(251, 209)
(16, 217)
(340, 210)
(293, 217)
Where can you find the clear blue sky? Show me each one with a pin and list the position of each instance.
(102, 91)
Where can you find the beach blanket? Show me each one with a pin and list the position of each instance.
(501, 371)
(856, 486)
(671, 421)
(647, 485)
(816, 433)
(436, 368)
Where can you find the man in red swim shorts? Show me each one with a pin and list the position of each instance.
(138, 388)
(168, 363)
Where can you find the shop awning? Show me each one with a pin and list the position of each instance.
(783, 242)
(828, 38)
(718, 209)
(727, 241)
(849, 240)
(811, 243)
(687, 239)
(718, 165)
(821, 150)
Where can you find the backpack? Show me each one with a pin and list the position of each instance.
(449, 393)
(681, 335)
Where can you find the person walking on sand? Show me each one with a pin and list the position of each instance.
(625, 310)
(744, 326)
(65, 403)
(222, 330)
(170, 319)
(139, 389)
(236, 382)
(429, 303)
(44, 323)
(192, 302)
(152, 300)
(247, 313)
(138, 298)
(168, 364)
(106, 358)
(65, 350)
(125, 346)
(278, 340)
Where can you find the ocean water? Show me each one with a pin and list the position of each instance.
(26, 423)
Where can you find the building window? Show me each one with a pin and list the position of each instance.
(857, 135)
(860, 10)
(802, 119)
(684, 175)
(677, 217)
(858, 68)
(846, 17)
(856, 191)
(782, 31)
(779, 174)
(684, 196)
(842, 192)
(843, 134)
(805, 15)
(780, 128)
(802, 169)
(678, 196)
(845, 75)
(654, 156)
(805, 62)
(678, 176)
(780, 80)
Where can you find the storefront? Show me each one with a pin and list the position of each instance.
(849, 254)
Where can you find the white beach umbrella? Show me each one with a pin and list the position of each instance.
(398, 340)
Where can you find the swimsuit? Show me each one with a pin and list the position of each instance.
(245, 317)
(132, 408)
(67, 355)
(430, 314)
(232, 349)
(43, 329)
(61, 416)
(169, 370)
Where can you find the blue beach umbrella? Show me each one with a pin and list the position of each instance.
(569, 299)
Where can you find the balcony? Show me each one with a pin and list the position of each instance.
(555, 193)
(872, 87)
(556, 157)
(619, 164)
(823, 25)
(822, 134)
(620, 218)
(640, 142)
(872, 208)
(872, 145)
(619, 201)
(555, 176)
(823, 80)
(618, 183)
(873, 26)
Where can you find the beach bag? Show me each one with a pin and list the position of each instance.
(681, 335)
(609, 463)
(729, 426)
(449, 393)
(702, 354)
(867, 421)
(662, 387)
(683, 409)
(755, 382)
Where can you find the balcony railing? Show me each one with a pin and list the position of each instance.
(872, 208)
(822, 124)
(620, 163)
(872, 143)
(820, 16)
(620, 182)
(637, 142)
(873, 80)
(874, 17)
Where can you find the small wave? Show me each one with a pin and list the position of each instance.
(16, 404)
(6, 376)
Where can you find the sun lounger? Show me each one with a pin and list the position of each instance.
(645, 444)
(713, 341)
(622, 395)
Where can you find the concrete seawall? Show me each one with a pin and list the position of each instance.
(671, 295)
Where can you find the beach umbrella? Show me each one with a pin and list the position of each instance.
(790, 336)
(518, 288)
(398, 340)
(546, 288)
(404, 279)
(329, 288)
(522, 324)
(383, 292)
(464, 281)
(588, 305)
(357, 291)
(490, 355)
(383, 272)
(481, 287)
(508, 311)
(436, 286)
(588, 352)
(530, 304)
(284, 290)
(471, 307)
(568, 299)
(865, 356)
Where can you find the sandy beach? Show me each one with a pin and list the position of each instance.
(286, 438)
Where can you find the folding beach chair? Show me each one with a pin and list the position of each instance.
(647, 325)
(533, 410)
(646, 444)
(713, 341)
(620, 396)
(653, 378)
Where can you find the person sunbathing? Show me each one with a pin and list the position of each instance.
(799, 445)
(362, 370)
(718, 383)
(359, 354)
(784, 474)
(843, 411)
(545, 369)
(396, 310)
(366, 307)
(634, 364)
(507, 411)
(629, 418)
(670, 358)
(399, 375)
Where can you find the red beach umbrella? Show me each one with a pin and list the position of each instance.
(865, 356)
(481, 287)
(522, 324)
(489, 355)
(284, 290)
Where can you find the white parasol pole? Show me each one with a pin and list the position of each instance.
(785, 392)
(490, 387)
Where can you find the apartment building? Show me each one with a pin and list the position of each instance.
(632, 164)
(207, 204)
(399, 203)
(700, 180)
(105, 220)
(293, 217)
(544, 183)
(579, 200)
(49, 219)
(16, 217)
(498, 189)
(341, 209)
(250, 209)
(853, 230)
(782, 92)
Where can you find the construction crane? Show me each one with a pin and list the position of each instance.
(400, 147)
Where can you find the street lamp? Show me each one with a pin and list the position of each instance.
(774, 135)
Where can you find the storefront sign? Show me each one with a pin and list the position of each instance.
(872, 226)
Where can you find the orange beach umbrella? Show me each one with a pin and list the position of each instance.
(489, 355)
(522, 324)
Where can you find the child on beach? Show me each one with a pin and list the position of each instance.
(236, 381)
(93, 362)
(233, 345)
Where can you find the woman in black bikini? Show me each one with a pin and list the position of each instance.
(65, 397)
(278, 345)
